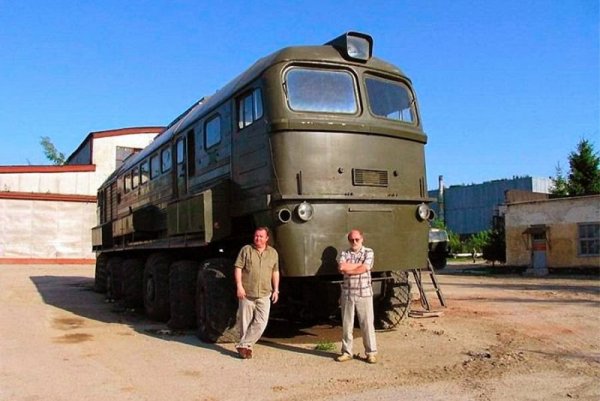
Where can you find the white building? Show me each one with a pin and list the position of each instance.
(47, 212)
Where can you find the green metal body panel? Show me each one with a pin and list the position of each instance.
(206, 213)
(311, 248)
(321, 168)
(357, 170)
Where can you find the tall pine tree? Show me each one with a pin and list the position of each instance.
(584, 173)
(584, 176)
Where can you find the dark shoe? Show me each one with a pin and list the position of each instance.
(243, 352)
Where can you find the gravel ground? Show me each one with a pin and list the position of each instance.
(503, 337)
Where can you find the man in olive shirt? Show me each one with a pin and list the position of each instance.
(257, 281)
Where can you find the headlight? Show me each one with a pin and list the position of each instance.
(284, 215)
(354, 45)
(305, 211)
(423, 212)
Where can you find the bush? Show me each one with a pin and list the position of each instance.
(478, 241)
(495, 248)
(456, 245)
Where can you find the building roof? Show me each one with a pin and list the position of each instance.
(113, 132)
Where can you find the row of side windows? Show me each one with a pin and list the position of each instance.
(147, 170)
(250, 109)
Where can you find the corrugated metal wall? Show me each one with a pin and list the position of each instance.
(470, 208)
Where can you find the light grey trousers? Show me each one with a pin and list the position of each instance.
(252, 319)
(363, 306)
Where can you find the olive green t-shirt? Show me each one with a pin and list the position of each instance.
(257, 270)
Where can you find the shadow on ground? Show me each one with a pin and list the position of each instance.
(76, 295)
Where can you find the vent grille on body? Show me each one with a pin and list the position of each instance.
(369, 178)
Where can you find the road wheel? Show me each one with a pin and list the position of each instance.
(156, 287)
(114, 278)
(182, 294)
(100, 273)
(393, 306)
(133, 282)
(216, 302)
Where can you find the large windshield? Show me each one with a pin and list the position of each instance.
(390, 99)
(323, 91)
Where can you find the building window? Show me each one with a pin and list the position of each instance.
(122, 153)
(589, 239)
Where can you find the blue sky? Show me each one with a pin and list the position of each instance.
(506, 88)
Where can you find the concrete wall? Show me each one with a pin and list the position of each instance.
(49, 179)
(561, 217)
(44, 229)
(47, 212)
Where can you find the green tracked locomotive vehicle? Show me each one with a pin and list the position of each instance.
(311, 141)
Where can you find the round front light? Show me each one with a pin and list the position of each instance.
(284, 215)
(305, 211)
(423, 211)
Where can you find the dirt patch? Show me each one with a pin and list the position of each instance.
(68, 323)
(73, 338)
(502, 337)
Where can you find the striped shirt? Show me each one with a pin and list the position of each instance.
(358, 284)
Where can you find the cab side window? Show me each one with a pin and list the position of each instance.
(212, 132)
(250, 108)
(154, 166)
(135, 178)
(127, 183)
(144, 172)
(165, 160)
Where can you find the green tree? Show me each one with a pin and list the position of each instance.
(495, 248)
(454, 242)
(584, 176)
(51, 152)
(478, 241)
(561, 185)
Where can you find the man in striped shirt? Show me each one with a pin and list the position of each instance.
(355, 264)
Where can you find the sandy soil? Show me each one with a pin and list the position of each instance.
(501, 338)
